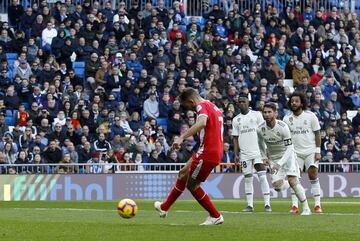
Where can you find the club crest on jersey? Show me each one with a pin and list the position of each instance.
(238, 120)
(291, 120)
(263, 129)
(278, 133)
(305, 122)
(198, 108)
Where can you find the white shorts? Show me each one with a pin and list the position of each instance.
(291, 168)
(307, 161)
(248, 165)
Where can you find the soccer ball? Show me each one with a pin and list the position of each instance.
(127, 208)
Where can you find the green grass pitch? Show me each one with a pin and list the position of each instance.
(98, 221)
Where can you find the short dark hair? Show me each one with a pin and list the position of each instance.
(187, 94)
(270, 105)
(302, 97)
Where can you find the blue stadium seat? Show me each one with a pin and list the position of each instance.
(26, 105)
(11, 56)
(182, 28)
(186, 20)
(78, 64)
(11, 64)
(9, 121)
(9, 113)
(163, 122)
(79, 69)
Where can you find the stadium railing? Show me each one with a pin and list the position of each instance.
(93, 168)
(201, 7)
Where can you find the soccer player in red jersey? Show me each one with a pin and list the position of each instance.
(209, 125)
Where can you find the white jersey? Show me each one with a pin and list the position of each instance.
(278, 142)
(244, 127)
(302, 129)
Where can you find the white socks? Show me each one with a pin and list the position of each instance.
(300, 193)
(315, 190)
(264, 187)
(294, 199)
(249, 190)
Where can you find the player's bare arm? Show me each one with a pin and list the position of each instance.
(197, 127)
(318, 145)
(236, 149)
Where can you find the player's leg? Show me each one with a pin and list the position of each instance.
(300, 193)
(294, 199)
(312, 170)
(278, 180)
(175, 193)
(199, 171)
(247, 168)
(261, 172)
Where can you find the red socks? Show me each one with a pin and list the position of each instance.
(199, 194)
(204, 200)
(174, 194)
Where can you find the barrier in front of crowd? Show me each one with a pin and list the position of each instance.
(152, 186)
(201, 7)
(98, 168)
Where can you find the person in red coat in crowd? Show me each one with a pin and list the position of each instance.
(317, 77)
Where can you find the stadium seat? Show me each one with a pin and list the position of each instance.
(11, 65)
(9, 121)
(186, 20)
(9, 113)
(11, 56)
(289, 83)
(80, 64)
(182, 28)
(351, 114)
(163, 122)
(79, 68)
(142, 117)
(26, 105)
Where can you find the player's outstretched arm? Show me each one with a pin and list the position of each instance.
(197, 127)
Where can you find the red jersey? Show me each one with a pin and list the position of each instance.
(211, 137)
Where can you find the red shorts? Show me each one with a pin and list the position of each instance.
(201, 168)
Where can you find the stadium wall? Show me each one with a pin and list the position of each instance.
(149, 186)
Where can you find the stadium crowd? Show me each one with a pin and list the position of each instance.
(120, 106)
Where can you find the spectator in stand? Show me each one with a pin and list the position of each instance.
(151, 107)
(47, 36)
(52, 155)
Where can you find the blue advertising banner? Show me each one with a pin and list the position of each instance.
(151, 186)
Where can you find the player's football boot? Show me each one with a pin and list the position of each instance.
(306, 212)
(294, 210)
(248, 209)
(213, 221)
(162, 213)
(317, 209)
(267, 209)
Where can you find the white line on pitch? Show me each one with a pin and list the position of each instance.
(176, 211)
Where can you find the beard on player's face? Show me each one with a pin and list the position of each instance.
(295, 108)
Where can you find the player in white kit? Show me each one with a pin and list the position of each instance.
(280, 154)
(245, 138)
(305, 132)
